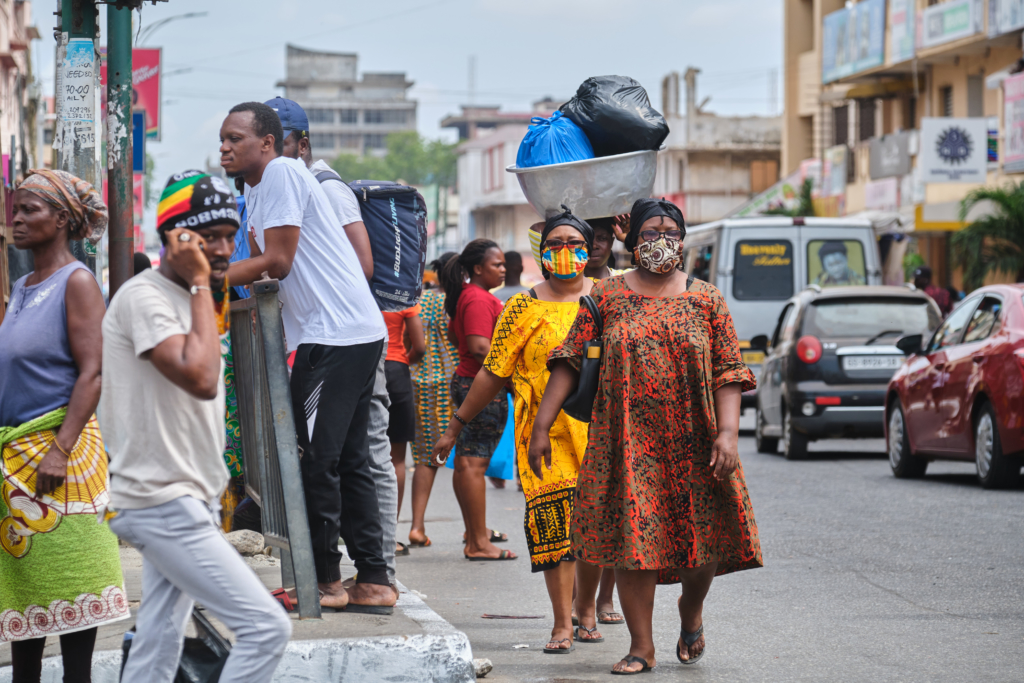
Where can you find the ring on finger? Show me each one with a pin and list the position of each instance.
(185, 237)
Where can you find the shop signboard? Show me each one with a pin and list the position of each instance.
(833, 175)
(146, 64)
(902, 30)
(882, 195)
(950, 21)
(954, 150)
(853, 40)
(1013, 122)
(1007, 15)
(890, 155)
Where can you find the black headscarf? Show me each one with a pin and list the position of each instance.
(645, 209)
(566, 218)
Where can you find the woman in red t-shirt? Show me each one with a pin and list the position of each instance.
(474, 311)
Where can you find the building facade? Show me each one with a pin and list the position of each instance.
(348, 114)
(867, 83)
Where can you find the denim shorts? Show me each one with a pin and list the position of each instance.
(480, 437)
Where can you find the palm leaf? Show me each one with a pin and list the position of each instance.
(992, 243)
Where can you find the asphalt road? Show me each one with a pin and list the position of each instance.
(866, 578)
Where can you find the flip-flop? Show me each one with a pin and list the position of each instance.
(630, 659)
(496, 537)
(281, 595)
(560, 650)
(505, 555)
(688, 640)
(382, 610)
(401, 549)
(606, 621)
(423, 544)
(325, 608)
(576, 634)
(575, 620)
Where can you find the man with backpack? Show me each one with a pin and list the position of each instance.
(331, 321)
(346, 207)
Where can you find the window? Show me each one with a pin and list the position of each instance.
(910, 114)
(763, 174)
(348, 115)
(494, 168)
(975, 96)
(865, 120)
(835, 263)
(946, 101)
(868, 317)
(349, 141)
(777, 334)
(789, 324)
(321, 140)
(48, 136)
(701, 266)
(388, 116)
(376, 141)
(321, 116)
(763, 270)
(841, 125)
(985, 321)
(949, 333)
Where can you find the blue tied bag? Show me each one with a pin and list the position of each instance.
(503, 462)
(553, 141)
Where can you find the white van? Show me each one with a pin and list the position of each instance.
(759, 263)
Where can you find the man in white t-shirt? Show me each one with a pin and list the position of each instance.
(332, 323)
(162, 416)
(346, 208)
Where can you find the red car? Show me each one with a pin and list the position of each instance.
(960, 394)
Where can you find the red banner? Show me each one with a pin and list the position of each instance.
(146, 64)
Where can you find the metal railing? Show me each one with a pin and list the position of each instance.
(270, 453)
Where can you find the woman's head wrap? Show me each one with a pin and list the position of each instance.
(645, 209)
(566, 218)
(195, 200)
(61, 190)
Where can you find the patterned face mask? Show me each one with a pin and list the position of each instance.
(660, 256)
(566, 263)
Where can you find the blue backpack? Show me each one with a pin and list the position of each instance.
(395, 217)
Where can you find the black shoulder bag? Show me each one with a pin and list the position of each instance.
(580, 404)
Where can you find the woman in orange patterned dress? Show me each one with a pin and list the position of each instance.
(661, 495)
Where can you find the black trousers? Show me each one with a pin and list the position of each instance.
(331, 391)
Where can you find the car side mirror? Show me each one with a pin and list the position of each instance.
(759, 343)
(910, 344)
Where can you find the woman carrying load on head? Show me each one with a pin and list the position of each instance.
(532, 325)
(60, 570)
(467, 281)
(661, 495)
(430, 378)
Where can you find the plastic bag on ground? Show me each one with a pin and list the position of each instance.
(616, 115)
(553, 141)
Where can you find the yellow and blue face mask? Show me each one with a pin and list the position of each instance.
(565, 263)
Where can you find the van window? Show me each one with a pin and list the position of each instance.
(701, 268)
(763, 270)
(835, 263)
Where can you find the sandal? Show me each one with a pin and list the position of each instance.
(591, 631)
(560, 650)
(630, 659)
(504, 555)
(425, 543)
(401, 549)
(496, 537)
(281, 595)
(606, 618)
(688, 640)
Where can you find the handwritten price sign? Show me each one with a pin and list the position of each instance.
(78, 99)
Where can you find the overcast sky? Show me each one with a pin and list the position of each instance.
(524, 49)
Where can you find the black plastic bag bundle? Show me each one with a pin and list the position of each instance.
(616, 115)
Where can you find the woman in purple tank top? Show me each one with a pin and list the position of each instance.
(60, 572)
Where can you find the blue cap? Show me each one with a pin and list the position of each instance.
(292, 116)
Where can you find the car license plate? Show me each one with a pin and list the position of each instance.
(753, 357)
(872, 362)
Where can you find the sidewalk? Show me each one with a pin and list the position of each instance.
(412, 644)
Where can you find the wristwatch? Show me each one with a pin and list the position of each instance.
(195, 289)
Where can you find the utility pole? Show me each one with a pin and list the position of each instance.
(119, 143)
(74, 140)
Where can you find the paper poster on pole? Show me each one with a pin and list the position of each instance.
(77, 96)
(953, 150)
(1013, 140)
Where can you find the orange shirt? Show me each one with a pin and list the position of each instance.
(396, 330)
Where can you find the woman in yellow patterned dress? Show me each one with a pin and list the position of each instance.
(430, 379)
(531, 325)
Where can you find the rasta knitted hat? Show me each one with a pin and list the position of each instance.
(195, 200)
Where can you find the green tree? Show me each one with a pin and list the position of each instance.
(992, 243)
(410, 159)
(805, 206)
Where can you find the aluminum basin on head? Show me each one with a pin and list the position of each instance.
(593, 188)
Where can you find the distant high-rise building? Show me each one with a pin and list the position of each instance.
(347, 114)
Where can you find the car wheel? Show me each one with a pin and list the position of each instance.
(794, 444)
(995, 470)
(904, 465)
(764, 443)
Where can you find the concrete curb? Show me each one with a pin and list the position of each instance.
(440, 655)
